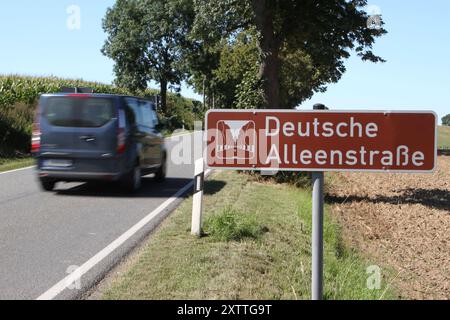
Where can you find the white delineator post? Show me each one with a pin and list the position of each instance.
(197, 201)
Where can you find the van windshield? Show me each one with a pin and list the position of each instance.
(78, 111)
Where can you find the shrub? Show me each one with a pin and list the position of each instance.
(300, 179)
(15, 129)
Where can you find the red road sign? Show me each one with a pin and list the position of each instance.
(321, 140)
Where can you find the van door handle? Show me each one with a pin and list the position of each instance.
(87, 138)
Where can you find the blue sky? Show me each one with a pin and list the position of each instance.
(35, 40)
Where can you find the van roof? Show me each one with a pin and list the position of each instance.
(100, 95)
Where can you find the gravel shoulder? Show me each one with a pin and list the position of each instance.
(402, 220)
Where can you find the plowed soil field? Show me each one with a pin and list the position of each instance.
(402, 221)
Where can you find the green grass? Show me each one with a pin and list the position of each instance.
(7, 164)
(231, 225)
(443, 137)
(256, 246)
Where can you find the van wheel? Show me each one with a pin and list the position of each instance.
(47, 185)
(133, 180)
(160, 174)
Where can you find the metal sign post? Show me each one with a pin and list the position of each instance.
(317, 229)
(317, 236)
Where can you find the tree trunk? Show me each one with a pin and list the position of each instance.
(163, 93)
(269, 47)
(204, 93)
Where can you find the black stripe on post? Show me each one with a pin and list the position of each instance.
(199, 182)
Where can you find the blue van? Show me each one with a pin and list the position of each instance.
(85, 136)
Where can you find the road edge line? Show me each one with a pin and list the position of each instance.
(15, 170)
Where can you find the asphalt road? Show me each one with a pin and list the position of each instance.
(45, 236)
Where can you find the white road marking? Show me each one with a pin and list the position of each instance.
(10, 171)
(92, 262)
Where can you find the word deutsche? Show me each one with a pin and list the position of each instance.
(316, 128)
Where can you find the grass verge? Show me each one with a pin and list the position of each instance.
(256, 246)
(7, 164)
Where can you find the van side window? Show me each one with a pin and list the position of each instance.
(147, 114)
(134, 111)
(154, 117)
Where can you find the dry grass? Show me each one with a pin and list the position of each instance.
(444, 137)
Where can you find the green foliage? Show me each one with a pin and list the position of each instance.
(446, 120)
(15, 129)
(240, 54)
(300, 77)
(232, 225)
(249, 93)
(183, 113)
(234, 77)
(301, 45)
(202, 60)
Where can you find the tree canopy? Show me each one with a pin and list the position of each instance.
(146, 39)
(240, 53)
(313, 37)
(446, 120)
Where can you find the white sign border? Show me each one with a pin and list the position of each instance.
(254, 111)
